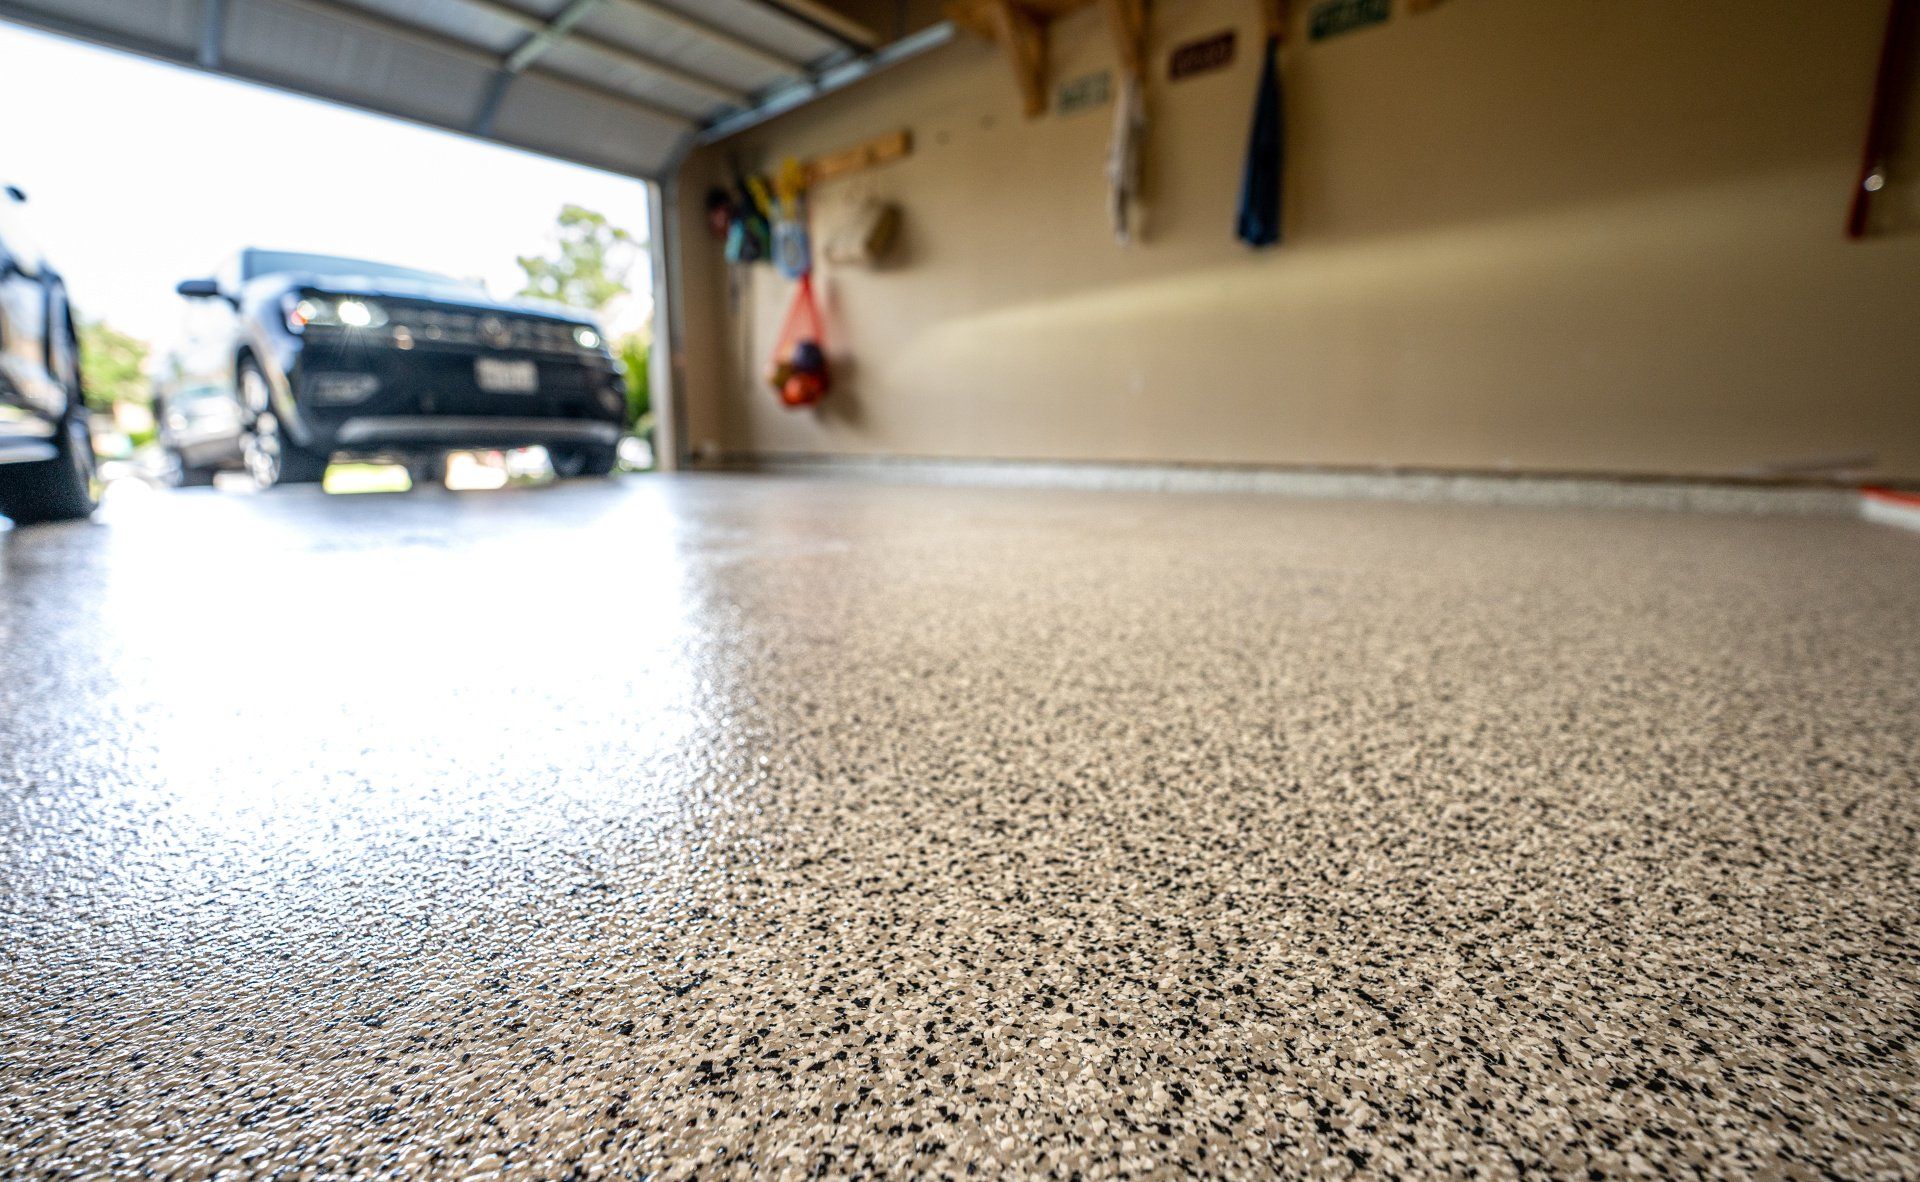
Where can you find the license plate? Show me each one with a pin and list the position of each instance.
(498, 375)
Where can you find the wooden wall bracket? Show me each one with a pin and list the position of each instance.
(879, 150)
(1020, 26)
(1275, 12)
(1128, 21)
(1023, 37)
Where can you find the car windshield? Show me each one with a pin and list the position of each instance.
(274, 262)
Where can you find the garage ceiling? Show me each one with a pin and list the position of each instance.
(617, 84)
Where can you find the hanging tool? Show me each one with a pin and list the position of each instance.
(1126, 149)
(792, 250)
(1125, 153)
(1259, 220)
(1889, 85)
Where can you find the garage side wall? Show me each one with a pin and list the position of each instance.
(1565, 236)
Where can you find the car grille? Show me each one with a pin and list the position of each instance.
(448, 326)
(427, 381)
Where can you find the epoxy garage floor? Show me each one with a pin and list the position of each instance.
(709, 826)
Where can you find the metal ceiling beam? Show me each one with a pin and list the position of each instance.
(490, 103)
(213, 32)
(529, 51)
(828, 80)
(555, 32)
(719, 92)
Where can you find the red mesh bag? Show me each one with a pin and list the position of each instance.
(798, 373)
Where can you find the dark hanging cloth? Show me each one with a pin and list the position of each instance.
(1259, 221)
(748, 238)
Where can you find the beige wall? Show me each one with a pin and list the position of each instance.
(1556, 235)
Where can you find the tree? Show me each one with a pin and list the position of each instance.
(590, 269)
(113, 366)
(636, 351)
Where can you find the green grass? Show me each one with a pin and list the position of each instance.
(367, 478)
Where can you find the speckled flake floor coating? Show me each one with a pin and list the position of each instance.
(732, 826)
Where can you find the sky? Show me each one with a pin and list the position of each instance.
(142, 174)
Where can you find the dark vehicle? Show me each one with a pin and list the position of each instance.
(200, 428)
(46, 451)
(326, 357)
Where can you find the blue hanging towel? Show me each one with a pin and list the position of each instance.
(1259, 221)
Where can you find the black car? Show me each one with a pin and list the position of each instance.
(46, 452)
(330, 356)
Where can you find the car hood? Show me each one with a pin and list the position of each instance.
(450, 293)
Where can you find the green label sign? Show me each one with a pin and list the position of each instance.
(1084, 93)
(1334, 17)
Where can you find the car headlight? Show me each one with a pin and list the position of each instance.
(586, 338)
(334, 312)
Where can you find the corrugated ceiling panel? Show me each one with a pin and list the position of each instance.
(589, 65)
(336, 56)
(659, 38)
(758, 23)
(160, 24)
(546, 117)
(437, 61)
(450, 18)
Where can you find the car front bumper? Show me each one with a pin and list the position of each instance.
(374, 432)
(428, 397)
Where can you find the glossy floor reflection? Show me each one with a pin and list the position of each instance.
(720, 825)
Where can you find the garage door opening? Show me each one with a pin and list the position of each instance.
(261, 283)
